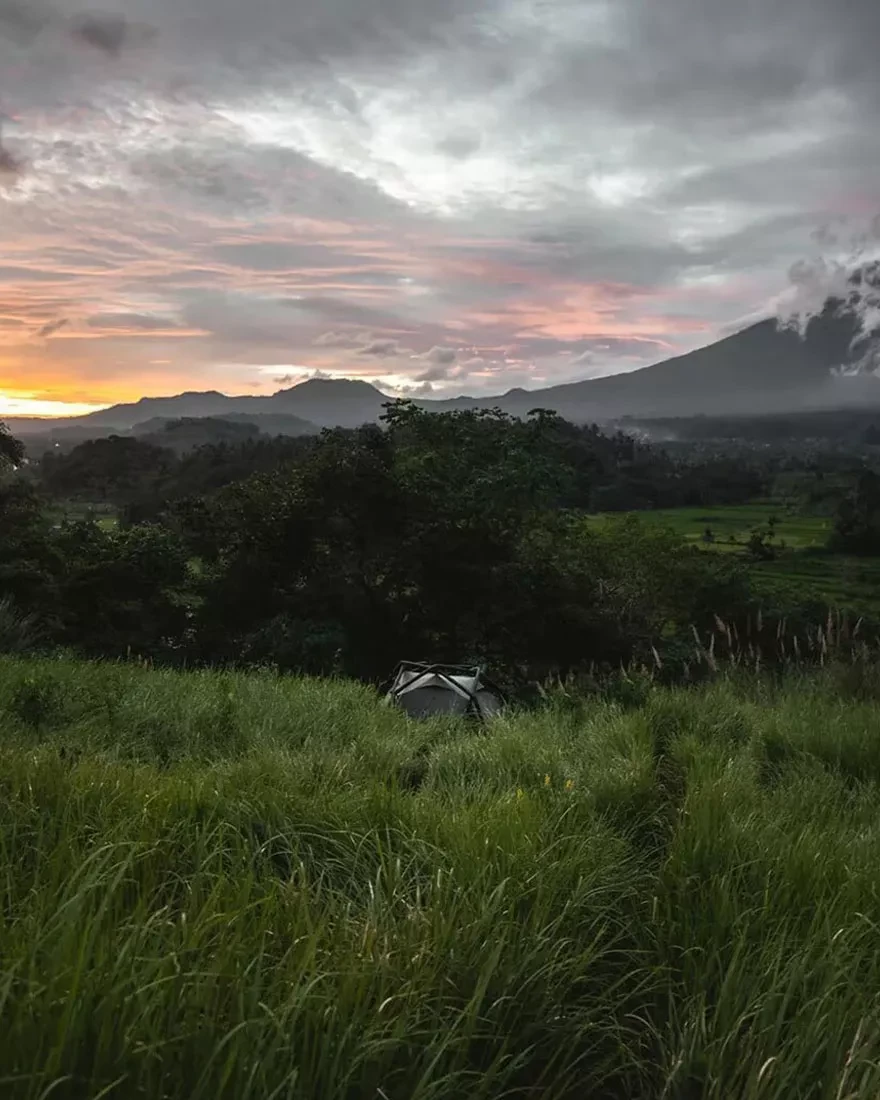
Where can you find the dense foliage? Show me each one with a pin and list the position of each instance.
(857, 525)
(11, 449)
(446, 537)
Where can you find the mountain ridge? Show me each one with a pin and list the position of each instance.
(764, 368)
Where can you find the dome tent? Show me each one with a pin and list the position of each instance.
(427, 690)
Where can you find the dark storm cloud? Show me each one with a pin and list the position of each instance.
(21, 21)
(710, 60)
(259, 41)
(10, 165)
(109, 33)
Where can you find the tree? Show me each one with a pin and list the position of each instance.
(760, 545)
(29, 563)
(436, 537)
(857, 523)
(11, 449)
(122, 591)
(116, 470)
(404, 538)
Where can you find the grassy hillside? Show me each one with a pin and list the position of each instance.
(249, 887)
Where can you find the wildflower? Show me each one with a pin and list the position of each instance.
(519, 793)
(569, 784)
(546, 780)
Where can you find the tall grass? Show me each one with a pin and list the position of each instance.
(242, 886)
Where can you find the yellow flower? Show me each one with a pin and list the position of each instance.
(519, 793)
(546, 780)
(569, 784)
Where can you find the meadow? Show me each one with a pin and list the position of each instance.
(731, 525)
(248, 886)
(802, 571)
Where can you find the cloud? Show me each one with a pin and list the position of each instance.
(608, 348)
(440, 356)
(383, 349)
(302, 376)
(436, 373)
(442, 365)
(342, 340)
(131, 322)
(21, 21)
(51, 327)
(843, 273)
(10, 164)
(109, 33)
(407, 389)
(549, 187)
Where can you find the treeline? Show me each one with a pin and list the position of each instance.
(459, 536)
(449, 537)
(852, 429)
(617, 473)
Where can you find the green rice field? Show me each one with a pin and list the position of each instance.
(732, 524)
(802, 572)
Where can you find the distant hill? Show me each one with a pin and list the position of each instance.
(189, 432)
(762, 369)
(275, 423)
(317, 403)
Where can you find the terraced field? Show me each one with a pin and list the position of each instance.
(840, 581)
(803, 572)
(732, 524)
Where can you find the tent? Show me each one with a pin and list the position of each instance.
(425, 690)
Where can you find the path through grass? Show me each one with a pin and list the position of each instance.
(248, 887)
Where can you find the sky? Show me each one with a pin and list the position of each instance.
(438, 196)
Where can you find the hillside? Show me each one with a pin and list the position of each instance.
(189, 432)
(760, 370)
(251, 886)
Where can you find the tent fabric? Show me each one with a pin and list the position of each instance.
(425, 690)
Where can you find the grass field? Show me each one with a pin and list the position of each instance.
(228, 886)
(835, 580)
(73, 511)
(799, 532)
(802, 572)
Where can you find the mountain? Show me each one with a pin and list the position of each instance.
(213, 429)
(761, 369)
(317, 403)
(332, 402)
